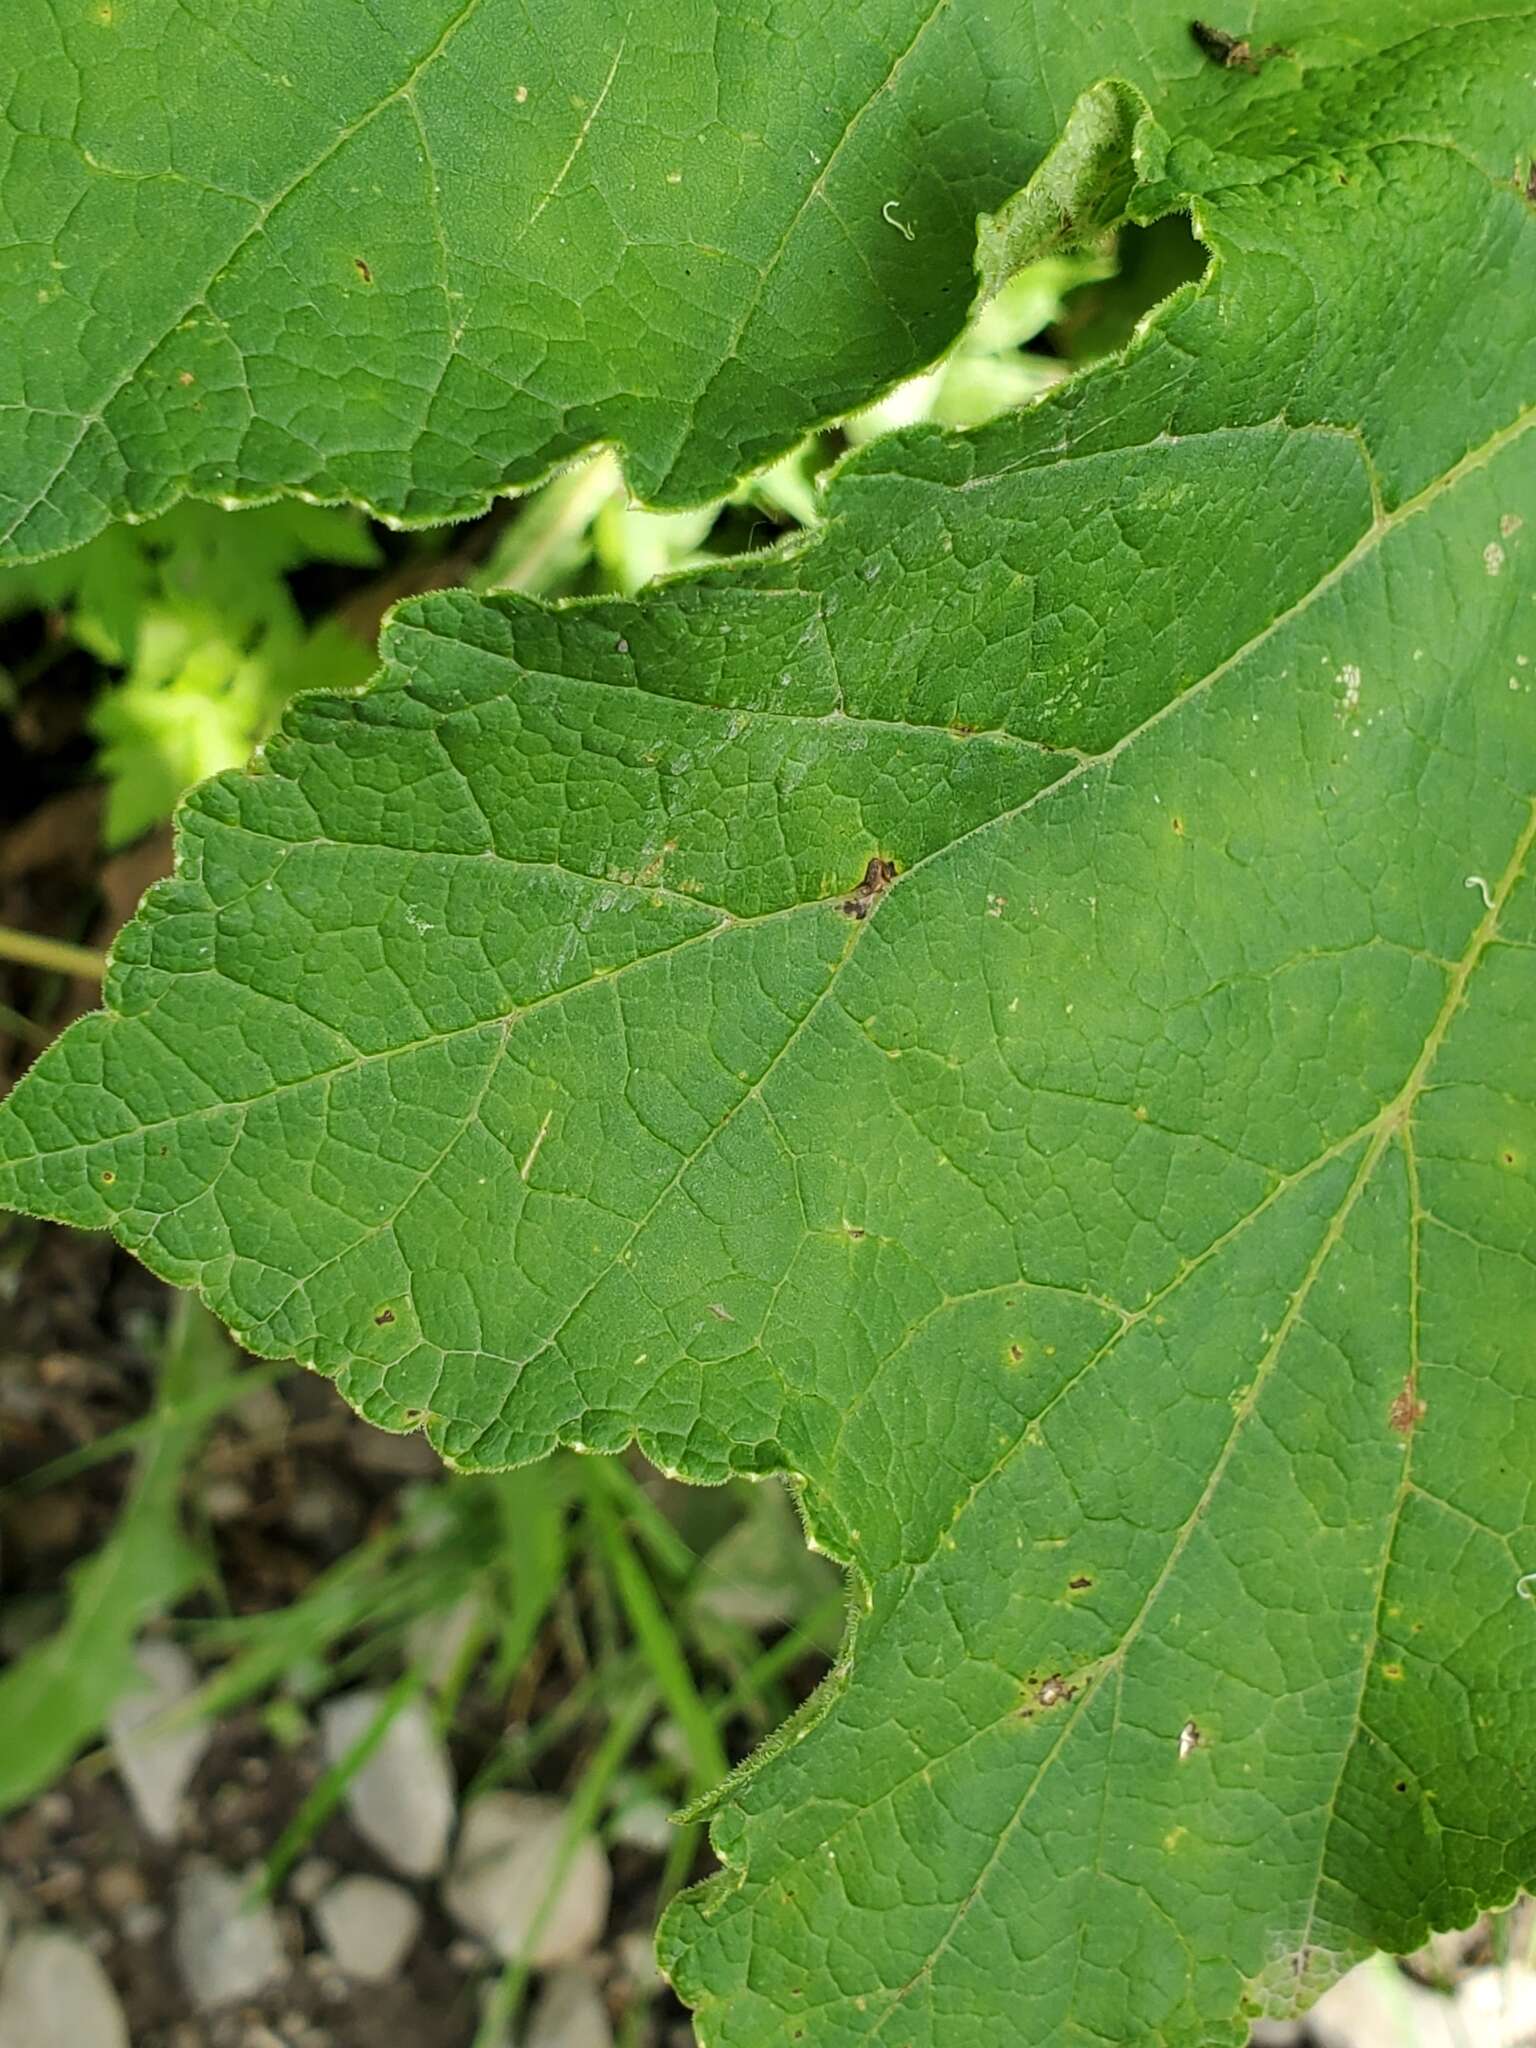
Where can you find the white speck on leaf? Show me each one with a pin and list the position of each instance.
(892, 222)
(1189, 1740)
(1477, 882)
(1493, 558)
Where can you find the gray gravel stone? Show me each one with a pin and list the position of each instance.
(401, 1802)
(227, 1943)
(54, 1994)
(316, 1874)
(369, 1926)
(155, 1762)
(636, 1953)
(570, 2013)
(504, 1866)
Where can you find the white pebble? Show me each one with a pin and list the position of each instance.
(401, 1801)
(54, 1994)
(503, 1869)
(157, 1762)
(369, 1926)
(226, 1940)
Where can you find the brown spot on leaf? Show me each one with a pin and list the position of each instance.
(1054, 1691)
(385, 1315)
(1079, 1584)
(362, 270)
(878, 877)
(108, 1177)
(1530, 182)
(1407, 1410)
(1015, 1354)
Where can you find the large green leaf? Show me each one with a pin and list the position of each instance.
(1016, 1013)
(414, 252)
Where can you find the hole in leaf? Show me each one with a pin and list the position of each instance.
(1148, 264)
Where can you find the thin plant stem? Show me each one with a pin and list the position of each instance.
(55, 955)
(22, 1027)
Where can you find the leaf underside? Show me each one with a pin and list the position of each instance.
(1016, 1013)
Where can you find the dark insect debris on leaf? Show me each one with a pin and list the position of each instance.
(878, 877)
(1234, 52)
